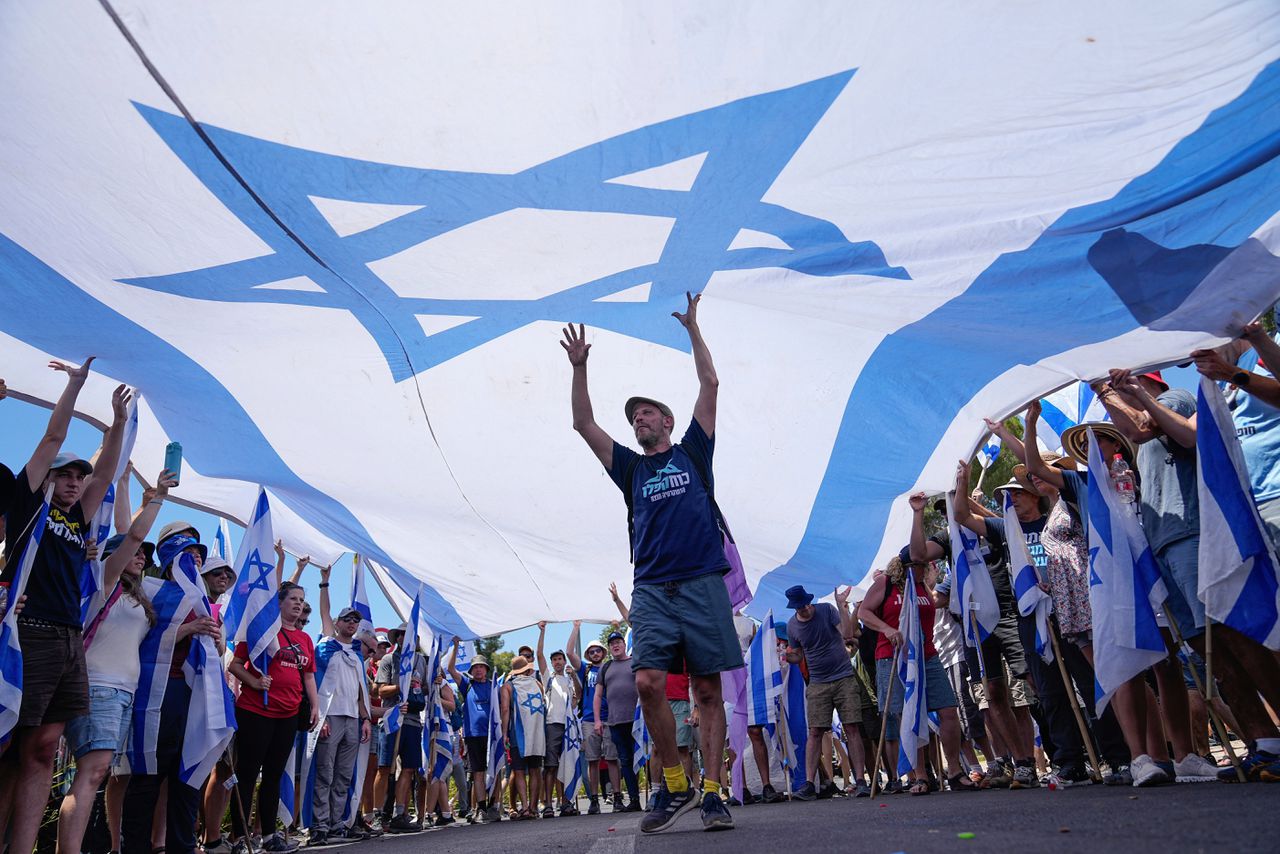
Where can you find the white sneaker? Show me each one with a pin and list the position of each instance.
(1146, 772)
(1195, 769)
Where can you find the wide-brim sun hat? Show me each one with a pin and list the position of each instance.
(177, 527)
(520, 666)
(1075, 440)
(595, 644)
(798, 597)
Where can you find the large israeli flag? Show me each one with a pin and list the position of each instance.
(973, 595)
(1026, 581)
(166, 162)
(914, 727)
(1239, 573)
(1125, 588)
(10, 648)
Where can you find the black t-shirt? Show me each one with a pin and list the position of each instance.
(53, 590)
(994, 554)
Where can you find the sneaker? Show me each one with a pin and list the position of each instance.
(569, 809)
(1169, 768)
(1119, 776)
(665, 807)
(617, 803)
(634, 805)
(1146, 772)
(278, 844)
(862, 790)
(894, 787)
(1024, 777)
(594, 807)
(1253, 765)
(732, 801)
(445, 821)
(241, 847)
(715, 816)
(999, 778)
(493, 814)
(805, 793)
(403, 824)
(217, 846)
(748, 799)
(317, 838)
(1068, 777)
(828, 791)
(770, 795)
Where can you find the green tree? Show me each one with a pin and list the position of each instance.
(502, 662)
(488, 647)
(615, 626)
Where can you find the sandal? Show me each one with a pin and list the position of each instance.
(962, 783)
(919, 787)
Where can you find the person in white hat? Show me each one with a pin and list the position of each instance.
(680, 607)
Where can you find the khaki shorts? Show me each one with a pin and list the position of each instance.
(825, 698)
(596, 747)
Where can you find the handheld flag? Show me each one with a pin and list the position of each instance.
(794, 727)
(915, 716)
(497, 741)
(973, 596)
(253, 614)
(570, 770)
(1026, 581)
(222, 541)
(404, 662)
(989, 451)
(1239, 573)
(764, 675)
(10, 648)
(359, 593)
(1125, 588)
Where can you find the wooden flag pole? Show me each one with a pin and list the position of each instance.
(1207, 691)
(884, 723)
(1094, 773)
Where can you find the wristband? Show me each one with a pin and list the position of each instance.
(1240, 379)
(323, 584)
(155, 501)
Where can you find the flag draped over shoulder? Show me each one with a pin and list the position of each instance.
(973, 596)
(1125, 588)
(1026, 581)
(172, 603)
(915, 717)
(10, 648)
(1239, 573)
(211, 717)
(100, 525)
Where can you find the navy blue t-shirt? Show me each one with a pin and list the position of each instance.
(676, 536)
(589, 675)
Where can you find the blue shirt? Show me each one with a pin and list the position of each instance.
(676, 535)
(589, 675)
(478, 705)
(1258, 429)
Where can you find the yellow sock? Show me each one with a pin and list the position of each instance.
(711, 787)
(676, 779)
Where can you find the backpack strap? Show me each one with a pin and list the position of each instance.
(628, 478)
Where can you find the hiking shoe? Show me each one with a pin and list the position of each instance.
(278, 844)
(1195, 769)
(217, 846)
(1253, 765)
(862, 789)
(1146, 772)
(748, 799)
(445, 821)
(770, 795)
(617, 803)
(317, 838)
(403, 824)
(594, 807)
(1068, 776)
(805, 793)
(1024, 777)
(715, 815)
(998, 778)
(828, 791)
(665, 807)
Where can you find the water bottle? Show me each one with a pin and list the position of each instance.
(1122, 477)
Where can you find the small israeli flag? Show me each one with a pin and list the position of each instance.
(989, 451)
(254, 608)
(570, 771)
(973, 595)
(1026, 581)
(915, 714)
(764, 675)
(10, 649)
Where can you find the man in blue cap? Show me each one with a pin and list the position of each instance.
(680, 608)
(817, 634)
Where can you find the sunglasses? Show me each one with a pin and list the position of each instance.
(225, 571)
(350, 618)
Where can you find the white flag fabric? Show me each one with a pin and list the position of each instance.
(1026, 581)
(221, 546)
(1065, 408)
(1125, 587)
(1239, 573)
(10, 648)
(973, 595)
(387, 277)
(360, 594)
(988, 451)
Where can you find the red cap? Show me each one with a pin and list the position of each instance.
(1155, 375)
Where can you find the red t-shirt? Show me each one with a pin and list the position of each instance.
(891, 611)
(297, 655)
(678, 686)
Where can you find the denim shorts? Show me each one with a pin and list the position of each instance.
(1179, 564)
(690, 620)
(106, 726)
(938, 693)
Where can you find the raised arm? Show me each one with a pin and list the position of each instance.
(542, 634)
(1126, 410)
(584, 419)
(298, 567)
(571, 646)
(279, 562)
(618, 603)
(963, 512)
(1179, 428)
(109, 457)
(1010, 441)
(56, 431)
(121, 510)
(920, 548)
(1035, 465)
(452, 666)
(136, 532)
(326, 615)
(704, 408)
(1212, 364)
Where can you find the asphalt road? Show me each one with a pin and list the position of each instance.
(1203, 817)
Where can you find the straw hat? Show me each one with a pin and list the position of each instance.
(520, 666)
(1075, 441)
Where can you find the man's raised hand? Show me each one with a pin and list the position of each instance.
(690, 318)
(120, 403)
(917, 501)
(575, 344)
(72, 373)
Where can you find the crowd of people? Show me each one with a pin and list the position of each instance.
(378, 736)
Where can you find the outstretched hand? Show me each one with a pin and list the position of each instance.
(575, 344)
(842, 599)
(120, 403)
(1033, 410)
(79, 373)
(917, 500)
(689, 319)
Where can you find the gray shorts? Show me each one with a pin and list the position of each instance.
(681, 711)
(555, 744)
(1270, 513)
(596, 747)
(1179, 564)
(689, 621)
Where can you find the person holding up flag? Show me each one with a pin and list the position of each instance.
(595, 744)
(561, 692)
(402, 684)
(882, 610)
(476, 695)
(55, 686)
